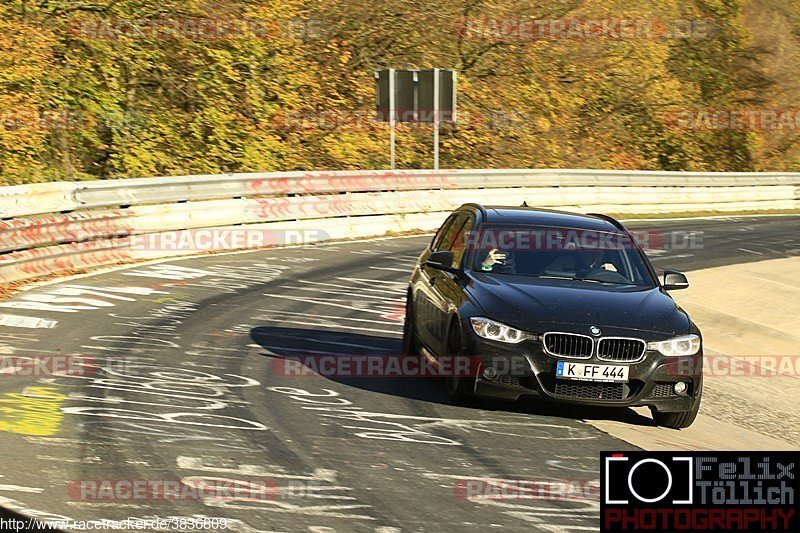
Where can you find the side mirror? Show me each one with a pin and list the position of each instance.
(674, 280)
(441, 261)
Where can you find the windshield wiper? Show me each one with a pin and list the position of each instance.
(604, 282)
(575, 278)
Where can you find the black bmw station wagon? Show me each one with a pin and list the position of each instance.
(554, 305)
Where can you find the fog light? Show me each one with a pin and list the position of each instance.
(490, 373)
(680, 387)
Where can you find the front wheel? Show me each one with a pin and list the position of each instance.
(681, 419)
(410, 342)
(458, 387)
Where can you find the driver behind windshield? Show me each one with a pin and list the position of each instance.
(498, 261)
(595, 264)
(583, 263)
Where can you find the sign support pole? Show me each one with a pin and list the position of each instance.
(436, 119)
(392, 117)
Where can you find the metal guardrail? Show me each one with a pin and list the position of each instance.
(60, 226)
(22, 200)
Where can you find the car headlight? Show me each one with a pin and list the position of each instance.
(687, 345)
(495, 331)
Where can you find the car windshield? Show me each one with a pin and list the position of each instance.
(559, 253)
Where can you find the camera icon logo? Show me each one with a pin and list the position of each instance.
(648, 480)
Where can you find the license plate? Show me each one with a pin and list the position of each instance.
(608, 373)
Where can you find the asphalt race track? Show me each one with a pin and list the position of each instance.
(181, 384)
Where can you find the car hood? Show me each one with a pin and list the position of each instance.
(536, 304)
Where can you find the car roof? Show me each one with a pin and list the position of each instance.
(533, 216)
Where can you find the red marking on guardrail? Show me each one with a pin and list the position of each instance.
(329, 182)
(62, 228)
(299, 207)
(41, 261)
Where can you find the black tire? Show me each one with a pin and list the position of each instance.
(682, 419)
(410, 342)
(458, 388)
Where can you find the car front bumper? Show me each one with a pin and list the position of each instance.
(526, 370)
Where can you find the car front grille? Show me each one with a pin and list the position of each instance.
(568, 345)
(620, 350)
(590, 391)
(663, 390)
(508, 380)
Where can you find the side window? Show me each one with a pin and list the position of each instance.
(460, 242)
(445, 241)
(442, 230)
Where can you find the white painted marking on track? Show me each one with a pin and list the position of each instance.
(341, 326)
(197, 463)
(558, 516)
(271, 348)
(679, 256)
(173, 272)
(19, 488)
(331, 319)
(18, 321)
(370, 282)
(74, 298)
(392, 269)
(305, 339)
(791, 287)
(342, 291)
(560, 464)
(320, 301)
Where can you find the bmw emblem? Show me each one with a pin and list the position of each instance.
(594, 330)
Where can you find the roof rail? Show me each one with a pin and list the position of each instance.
(617, 224)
